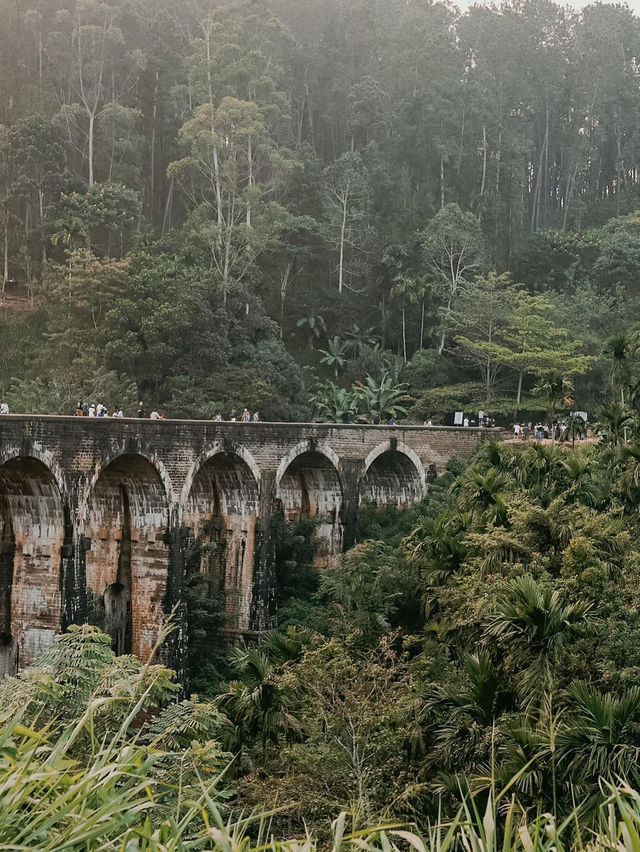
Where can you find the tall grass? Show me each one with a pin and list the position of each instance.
(91, 760)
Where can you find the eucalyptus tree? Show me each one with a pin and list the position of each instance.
(347, 200)
(93, 66)
(226, 148)
(453, 249)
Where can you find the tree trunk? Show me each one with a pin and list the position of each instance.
(166, 219)
(443, 336)
(544, 197)
(226, 268)
(484, 169)
(152, 164)
(250, 180)
(218, 190)
(92, 118)
(284, 286)
(309, 111)
(27, 252)
(5, 262)
(404, 334)
(519, 396)
(343, 229)
(571, 184)
(422, 327)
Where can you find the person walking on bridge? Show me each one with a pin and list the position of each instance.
(4, 407)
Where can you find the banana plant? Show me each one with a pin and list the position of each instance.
(335, 355)
(381, 399)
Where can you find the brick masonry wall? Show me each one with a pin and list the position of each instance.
(89, 502)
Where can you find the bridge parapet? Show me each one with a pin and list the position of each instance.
(102, 519)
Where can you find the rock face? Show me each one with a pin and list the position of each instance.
(97, 515)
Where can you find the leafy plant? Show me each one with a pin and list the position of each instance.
(381, 399)
(335, 356)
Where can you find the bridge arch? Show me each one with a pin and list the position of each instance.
(136, 452)
(126, 518)
(220, 500)
(34, 526)
(392, 475)
(218, 449)
(308, 487)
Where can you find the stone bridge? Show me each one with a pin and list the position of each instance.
(100, 518)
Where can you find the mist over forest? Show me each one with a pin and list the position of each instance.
(349, 211)
(330, 209)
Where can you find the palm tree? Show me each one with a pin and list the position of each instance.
(256, 706)
(497, 455)
(613, 422)
(619, 347)
(600, 737)
(403, 288)
(629, 480)
(533, 625)
(587, 484)
(539, 468)
(360, 338)
(285, 646)
(72, 234)
(556, 390)
(437, 545)
(482, 695)
(482, 493)
(576, 427)
(466, 711)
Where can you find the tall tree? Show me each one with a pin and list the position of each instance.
(453, 253)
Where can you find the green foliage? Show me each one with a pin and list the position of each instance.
(364, 592)
(296, 203)
(369, 401)
(88, 759)
(520, 575)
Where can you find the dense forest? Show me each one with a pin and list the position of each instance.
(348, 209)
(466, 678)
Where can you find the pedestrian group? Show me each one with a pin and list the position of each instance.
(541, 431)
(86, 409)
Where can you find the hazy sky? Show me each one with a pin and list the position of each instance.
(578, 4)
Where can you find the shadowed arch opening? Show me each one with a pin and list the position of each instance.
(310, 488)
(222, 507)
(126, 522)
(392, 479)
(32, 533)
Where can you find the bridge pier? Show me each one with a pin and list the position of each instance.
(350, 471)
(103, 520)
